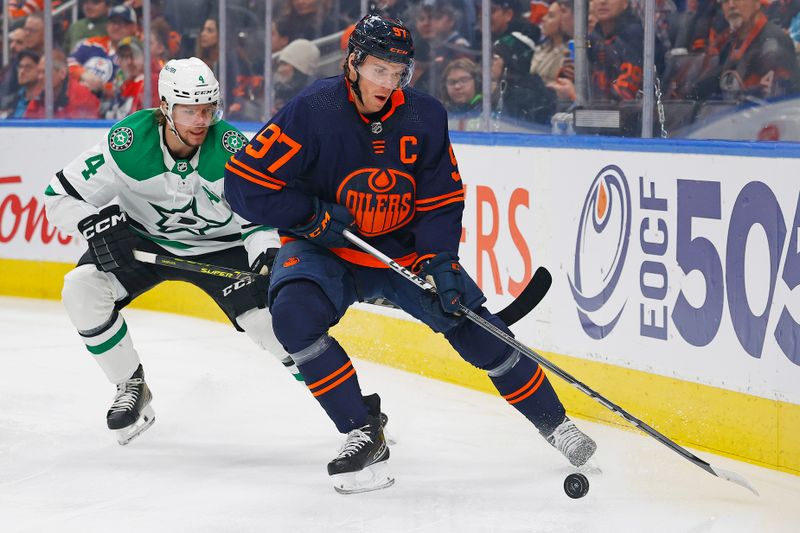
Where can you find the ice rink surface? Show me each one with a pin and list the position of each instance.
(239, 446)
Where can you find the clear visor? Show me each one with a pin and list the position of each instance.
(197, 116)
(387, 75)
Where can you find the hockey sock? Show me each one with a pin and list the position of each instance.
(332, 380)
(528, 390)
(112, 348)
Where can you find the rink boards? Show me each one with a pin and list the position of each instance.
(675, 270)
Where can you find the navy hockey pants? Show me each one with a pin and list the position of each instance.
(310, 291)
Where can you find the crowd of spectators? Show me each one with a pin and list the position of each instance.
(720, 50)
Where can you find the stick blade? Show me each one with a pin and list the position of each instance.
(531, 295)
(733, 477)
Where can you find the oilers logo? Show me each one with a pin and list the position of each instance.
(381, 200)
(600, 251)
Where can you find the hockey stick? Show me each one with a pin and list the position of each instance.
(529, 298)
(514, 343)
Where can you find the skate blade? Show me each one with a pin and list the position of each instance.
(146, 419)
(374, 477)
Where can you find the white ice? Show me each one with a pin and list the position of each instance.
(239, 446)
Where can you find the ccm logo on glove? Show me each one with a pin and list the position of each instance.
(103, 225)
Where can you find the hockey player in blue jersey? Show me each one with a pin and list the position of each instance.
(365, 152)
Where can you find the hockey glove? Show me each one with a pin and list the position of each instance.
(326, 225)
(444, 272)
(263, 263)
(110, 241)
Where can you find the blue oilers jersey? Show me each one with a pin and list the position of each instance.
(395, 171)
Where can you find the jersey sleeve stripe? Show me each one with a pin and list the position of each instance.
(257, 181)
(62, 179)
(246, 234)
(423, 201)
(433, 207)
(256, 173)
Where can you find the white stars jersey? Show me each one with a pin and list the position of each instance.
(178, 204)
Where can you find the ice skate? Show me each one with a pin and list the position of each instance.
(130, 413)
(576, 446)
(362, 464)
(373, 402)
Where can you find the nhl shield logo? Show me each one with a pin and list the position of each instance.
(376, 127)
(182, 166)
(120, 139)
(233, 141)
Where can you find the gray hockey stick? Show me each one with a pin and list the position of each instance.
(529, 298)
(514, 343)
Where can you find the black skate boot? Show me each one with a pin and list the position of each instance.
(362, 464)
(373, 403)
(131, 414)
(576, 446)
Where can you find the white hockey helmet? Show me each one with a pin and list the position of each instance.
(192, 83)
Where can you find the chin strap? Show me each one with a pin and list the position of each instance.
(356, 88)
(174, 130)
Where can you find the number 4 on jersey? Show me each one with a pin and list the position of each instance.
(92, 164)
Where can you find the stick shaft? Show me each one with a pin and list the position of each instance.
(514, 343)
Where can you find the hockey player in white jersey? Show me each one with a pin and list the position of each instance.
(155, 183)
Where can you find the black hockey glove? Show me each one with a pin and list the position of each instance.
(444, 272)
(110, 241)
(326, 225)
(263, 263)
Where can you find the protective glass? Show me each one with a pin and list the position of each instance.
(197, 116)
(386, 74)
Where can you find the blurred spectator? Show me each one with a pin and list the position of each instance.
(207, 47)
(309, 19)
(164, 43)
(758, 60)
(15, 104)
(445, 21)
(505, 18)
(664, 10)
(461, 82)
(781, 12)
(440, 21)
(515, 92)
(538, 10)
(295, 68)
(567, 17)
(97, 77)
(395, 9)
(34, 32)
(122, 23)
(71, 99)
(8, 75)
(549, 55)
(280, 34)
(706, 31)
(23, 8)
(187, 18)
(297, 65)
(129, 97)
(208, 51)
(93, 24)
(616, 51)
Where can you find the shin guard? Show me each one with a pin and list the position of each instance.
(524, 385)
(332, 380)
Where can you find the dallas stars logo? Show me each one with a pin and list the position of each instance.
(233, 141)
(120, 139)
(186, 219)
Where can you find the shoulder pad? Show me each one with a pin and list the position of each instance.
(134, 144)
(222, 142)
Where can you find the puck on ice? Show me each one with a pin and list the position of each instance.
(576, 485)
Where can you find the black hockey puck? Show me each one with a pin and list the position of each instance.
(576, 485)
